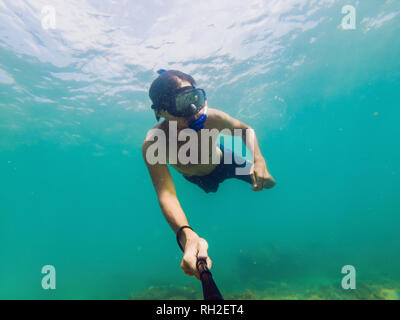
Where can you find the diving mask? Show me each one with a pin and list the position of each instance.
(186, 102)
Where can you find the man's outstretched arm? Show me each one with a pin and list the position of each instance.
(193, 245)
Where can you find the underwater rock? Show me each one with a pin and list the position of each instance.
(389, 294)
(170, 292)
(245, 295)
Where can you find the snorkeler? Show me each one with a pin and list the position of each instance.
(184, 108)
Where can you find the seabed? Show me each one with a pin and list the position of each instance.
(279, 291)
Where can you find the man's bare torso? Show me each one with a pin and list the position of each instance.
(200, 168)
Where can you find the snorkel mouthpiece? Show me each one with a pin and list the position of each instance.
(198, 124)
(193, 108)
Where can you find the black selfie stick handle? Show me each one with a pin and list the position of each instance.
(210, 289)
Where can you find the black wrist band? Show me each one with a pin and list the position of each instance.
(178, 234)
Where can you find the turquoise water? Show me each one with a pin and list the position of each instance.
(74, 110)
